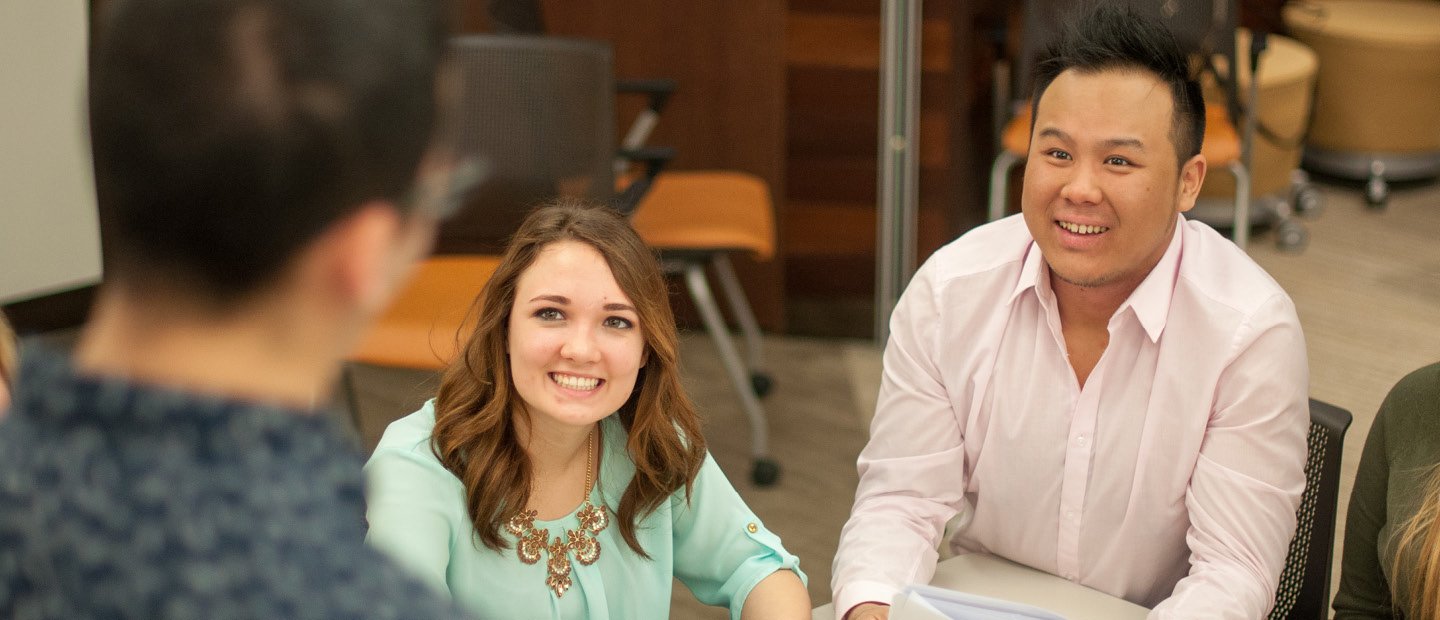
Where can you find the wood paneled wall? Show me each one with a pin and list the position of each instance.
(729, 111)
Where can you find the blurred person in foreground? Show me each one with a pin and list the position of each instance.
(267, 172)
(1390, 566)
(1099, 388)
(562, 461)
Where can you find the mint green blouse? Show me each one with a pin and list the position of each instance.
(715, 545)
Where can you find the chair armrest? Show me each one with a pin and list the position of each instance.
(654, 159)
(658, 89)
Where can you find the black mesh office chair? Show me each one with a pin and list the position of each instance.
(1304, 591)
(541, 110)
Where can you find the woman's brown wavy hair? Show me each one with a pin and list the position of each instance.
(475, 434)
(9, 364)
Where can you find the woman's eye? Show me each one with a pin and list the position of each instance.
(618, 323)
(548, 314)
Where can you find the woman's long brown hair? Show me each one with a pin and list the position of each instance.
(475, 434)
(8, 363)
(1417, 549)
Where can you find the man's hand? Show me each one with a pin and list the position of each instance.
(869, 611)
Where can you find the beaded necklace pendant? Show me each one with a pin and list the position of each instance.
(533, 542)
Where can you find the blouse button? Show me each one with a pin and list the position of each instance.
(752, 528)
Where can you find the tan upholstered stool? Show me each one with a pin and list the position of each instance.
(1287, 83)
(1376, 111)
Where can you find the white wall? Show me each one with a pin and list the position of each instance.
(49, 236)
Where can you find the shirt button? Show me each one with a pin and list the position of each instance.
(1070, 514)
(752, 528)
(1070, 577)
(1081, 440)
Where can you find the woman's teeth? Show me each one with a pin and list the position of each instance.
(575, 383)
(1082, 229)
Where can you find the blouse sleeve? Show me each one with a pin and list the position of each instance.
(408, 507)
(722, 550)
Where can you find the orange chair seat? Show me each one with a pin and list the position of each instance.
(720, 210)
(1221, 145)
(426, 324)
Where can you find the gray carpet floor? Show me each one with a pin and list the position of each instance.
(1367, 289)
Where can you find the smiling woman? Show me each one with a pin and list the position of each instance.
(564, 413)
(574, 344)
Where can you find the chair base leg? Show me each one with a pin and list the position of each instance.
(1241, 233)
(710, 313)
(760, 381)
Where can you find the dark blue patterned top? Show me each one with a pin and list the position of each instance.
(127, 501)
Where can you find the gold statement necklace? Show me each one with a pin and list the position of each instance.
(581, 542)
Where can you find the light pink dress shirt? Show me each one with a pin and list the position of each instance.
(1170, 480)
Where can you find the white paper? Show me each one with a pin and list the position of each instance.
(919, 602)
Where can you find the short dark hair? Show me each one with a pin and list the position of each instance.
(1107, 36)
(228, 134)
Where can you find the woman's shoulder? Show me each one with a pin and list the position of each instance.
(1424, 381)
(1412, 409)
(410, 434)
(404, 453)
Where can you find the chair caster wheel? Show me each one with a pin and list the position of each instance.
(1291, 236)
(1377, 191)
(765, 473)
(1308, 202)
(761, 383)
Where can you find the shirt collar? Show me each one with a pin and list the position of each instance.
(49, 387)
(1033, 273)
(1150, 301)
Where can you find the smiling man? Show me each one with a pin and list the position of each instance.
(1099, 388)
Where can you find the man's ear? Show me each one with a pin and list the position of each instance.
(359, 253)
(1192, 176)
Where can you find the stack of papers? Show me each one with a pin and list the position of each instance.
(919, 602)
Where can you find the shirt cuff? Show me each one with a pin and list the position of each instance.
(856, 592)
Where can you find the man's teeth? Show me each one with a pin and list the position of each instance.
(1082, 229)
(575, 383)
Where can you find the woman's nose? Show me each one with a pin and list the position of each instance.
(580, 345)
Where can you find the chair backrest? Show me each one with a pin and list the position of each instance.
(540, 112)
(1304, 590)
(1202, 28)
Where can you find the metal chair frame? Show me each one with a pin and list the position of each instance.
(1304, 589)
